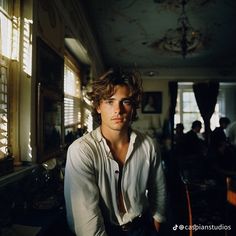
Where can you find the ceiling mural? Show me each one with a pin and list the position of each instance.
(165, 33)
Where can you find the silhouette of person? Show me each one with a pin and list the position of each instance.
(218, 135)
(192, 143)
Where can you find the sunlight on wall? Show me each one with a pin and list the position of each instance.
(15, 38)
(27, 47)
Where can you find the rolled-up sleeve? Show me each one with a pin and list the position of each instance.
(82, 193)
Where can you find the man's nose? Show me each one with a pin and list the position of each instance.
(118, 108)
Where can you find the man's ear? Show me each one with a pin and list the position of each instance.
(98, 110)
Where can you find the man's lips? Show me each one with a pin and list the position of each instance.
(118, 119)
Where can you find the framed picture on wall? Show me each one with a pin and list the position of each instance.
(152, 102)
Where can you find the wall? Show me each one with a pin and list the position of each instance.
(153, 122)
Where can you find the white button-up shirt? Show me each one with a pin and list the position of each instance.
(91, 183)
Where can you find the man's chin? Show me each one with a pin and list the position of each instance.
(120, 126)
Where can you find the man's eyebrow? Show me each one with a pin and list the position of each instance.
(127, 98)
(111, 98)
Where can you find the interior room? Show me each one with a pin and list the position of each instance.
(51, 52)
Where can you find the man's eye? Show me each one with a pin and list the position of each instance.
(109, 102)
(127, 102)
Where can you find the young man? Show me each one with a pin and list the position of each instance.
(114, 183)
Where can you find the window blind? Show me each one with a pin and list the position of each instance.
(72, 111)
(5, 53)
(3, 111)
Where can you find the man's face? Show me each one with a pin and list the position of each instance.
(116, 111)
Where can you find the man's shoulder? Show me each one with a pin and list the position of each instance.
(87, 140)
(140, 135)
(218, 131)
(189, 133)
(142, 138)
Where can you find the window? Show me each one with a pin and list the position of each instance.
(6, 34)
(3, 111)
(187, 109)
(12, 25)
(72, 111)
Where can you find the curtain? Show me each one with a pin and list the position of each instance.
(173, 90)
(206, 96)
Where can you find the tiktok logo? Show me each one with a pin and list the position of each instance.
(175, 227)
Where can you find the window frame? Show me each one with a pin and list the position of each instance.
(179, 115)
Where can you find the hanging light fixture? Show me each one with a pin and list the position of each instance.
(184, 38)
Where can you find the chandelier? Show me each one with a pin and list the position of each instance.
(184, 38)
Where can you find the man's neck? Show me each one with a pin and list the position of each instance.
(118, 143)
(116, 137)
